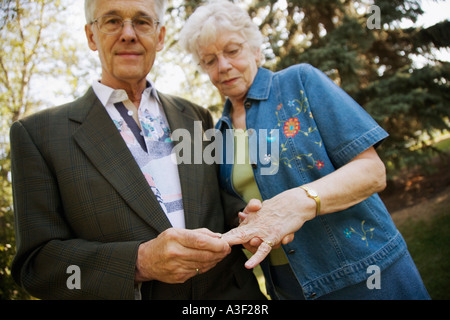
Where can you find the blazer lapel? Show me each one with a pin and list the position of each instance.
(190, 174)
(100, 140)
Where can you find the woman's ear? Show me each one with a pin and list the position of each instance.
(258, 56)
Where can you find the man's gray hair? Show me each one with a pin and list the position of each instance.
(211, 19)
(89, 10)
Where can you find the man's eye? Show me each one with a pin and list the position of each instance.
(113, 21)
(143, 22)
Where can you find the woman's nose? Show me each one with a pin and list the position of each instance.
(223, 63)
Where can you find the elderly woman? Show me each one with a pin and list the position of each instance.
(319, 199)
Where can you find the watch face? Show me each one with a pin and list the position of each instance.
(312, 193)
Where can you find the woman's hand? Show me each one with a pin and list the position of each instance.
(244, 217)
(281, 216)
(274, 224)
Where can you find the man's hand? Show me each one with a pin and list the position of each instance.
(179, 254)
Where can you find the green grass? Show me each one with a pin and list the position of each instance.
(443, 145)
(429, 244)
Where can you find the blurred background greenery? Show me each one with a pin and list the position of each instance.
(398, 71)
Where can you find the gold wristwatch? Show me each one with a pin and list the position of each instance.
(313, 195)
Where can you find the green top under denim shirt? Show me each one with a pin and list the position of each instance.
(245, 184)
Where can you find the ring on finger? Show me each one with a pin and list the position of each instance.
(269, 243)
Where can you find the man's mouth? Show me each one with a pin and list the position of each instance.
(129, 54)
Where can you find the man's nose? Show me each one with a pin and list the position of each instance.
(128, 32)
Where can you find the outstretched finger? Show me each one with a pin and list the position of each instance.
(239, 235)
(263, 250)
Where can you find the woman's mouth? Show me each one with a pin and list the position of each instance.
(229, 82)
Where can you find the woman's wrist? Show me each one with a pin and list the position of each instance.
(313, 194)
(312, 197)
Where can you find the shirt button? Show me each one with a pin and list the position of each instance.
(312, 295)
(248, 104)
(130, 113)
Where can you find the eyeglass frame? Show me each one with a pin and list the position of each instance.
(155, 22)
(202, 61)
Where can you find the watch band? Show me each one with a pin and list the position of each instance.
(313, 195)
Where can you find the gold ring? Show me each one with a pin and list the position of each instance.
(269, 243)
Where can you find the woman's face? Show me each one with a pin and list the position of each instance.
(231, 65)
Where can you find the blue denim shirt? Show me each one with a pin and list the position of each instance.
(306, 127)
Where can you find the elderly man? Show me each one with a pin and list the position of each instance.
(101, 211)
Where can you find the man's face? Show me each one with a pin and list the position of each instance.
(126, 57)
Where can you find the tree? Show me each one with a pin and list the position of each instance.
(369, 56)
(363, 48)
(196, 85)
(36, 47)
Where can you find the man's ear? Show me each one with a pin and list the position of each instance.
(161, 39)
(90, 37)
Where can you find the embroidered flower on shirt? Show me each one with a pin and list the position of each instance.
(348, 233)
(364, 233)
(319, 164)
(291, 127)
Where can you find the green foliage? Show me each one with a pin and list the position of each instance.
(375, 66)
(36, 47)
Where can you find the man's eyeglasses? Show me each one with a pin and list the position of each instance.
(231, 51)
(110, 24)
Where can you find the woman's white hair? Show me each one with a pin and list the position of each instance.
(203, 26)
(89, 10)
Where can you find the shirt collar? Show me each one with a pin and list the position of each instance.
(259, 90)
(108, 95)
(261, 85)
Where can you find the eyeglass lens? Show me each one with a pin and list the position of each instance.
(231, 51)
(110, 24)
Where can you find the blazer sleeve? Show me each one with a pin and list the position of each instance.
(46, 246)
